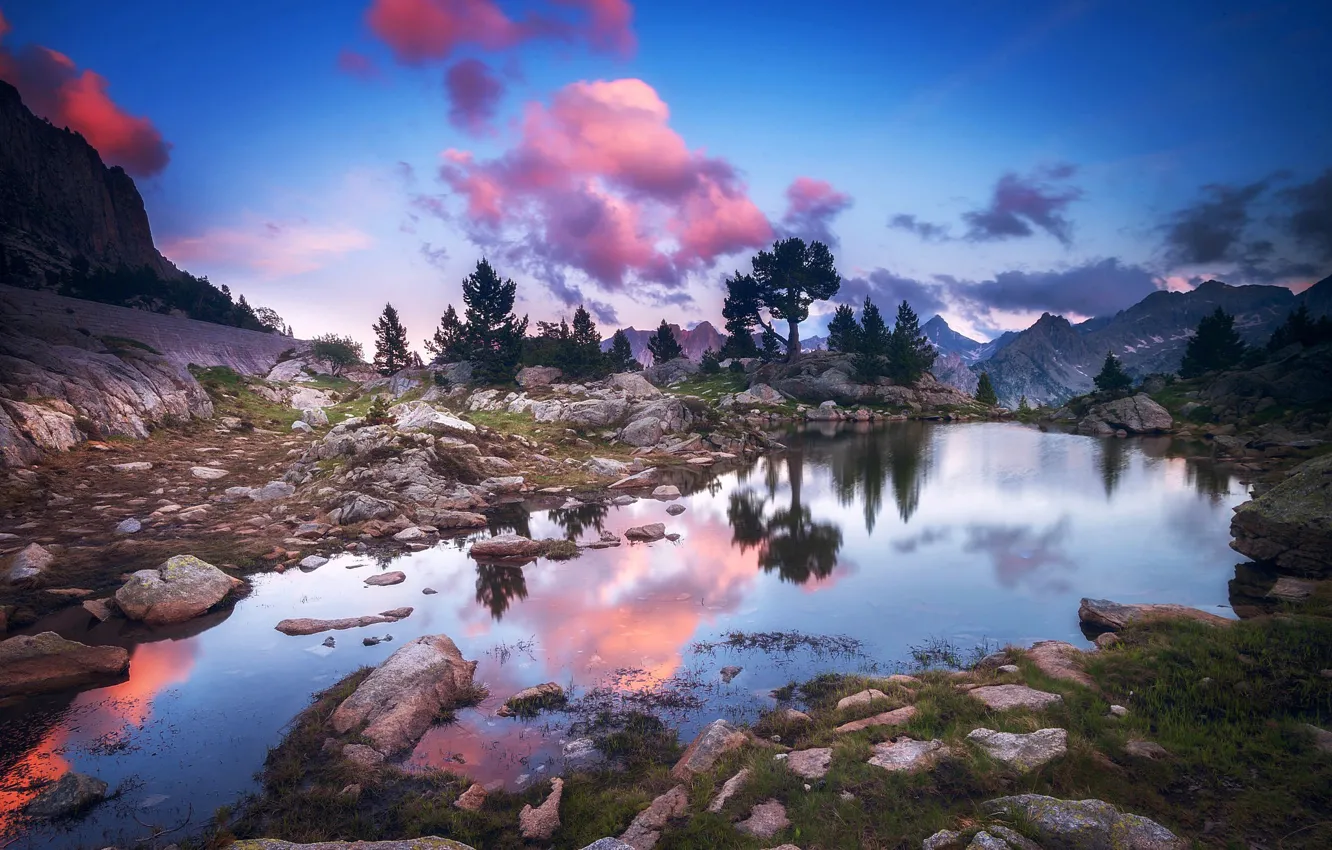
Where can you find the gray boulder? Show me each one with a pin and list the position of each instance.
(1137, 415)
(607, 467)
(182, 588)
(670, 372)
(538, 376)
(1083, 824)
(646, 533)
(70, 794)
(28, 563)
(1291, 524)
(506, 546)
(46, 662)
(358, 507)
(1023, 751)
(633, 385)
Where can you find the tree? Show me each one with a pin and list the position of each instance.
(740, 310)
(872, 340)
(709, 363)
(843, 331)
(338, 351)
(269, 318)
(450, 340)
(1112, 378)
(985, 393)
(1300, 328)
(391, 353)
(1214, 346)
(1023, 406)
(493, 335)
(663, 345)
(787, 280)
(772, 346)
(910, 353)
(621, 354)
(585, 359)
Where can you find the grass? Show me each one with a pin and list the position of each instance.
(1227, 703)
(233, 394)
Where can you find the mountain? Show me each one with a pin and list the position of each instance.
(949, 341)
(58, 201)
(695, 341)
(1054, 360)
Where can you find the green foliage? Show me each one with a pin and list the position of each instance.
(378, 414)
(493, 334)
(339, 351)
(910, 354)
(843, 330)
(872, 340)
(741, 312)
(576, 351)
(772, 345)
(985, 393)
(737, 367)
(663, 345)
(1112, 378)
(1215, 346)
(1300, 328)
(788, 279)
(272, 321)
(620, 358)
(448, 344)
(709, 363)
(391, 354)
(1023, 406)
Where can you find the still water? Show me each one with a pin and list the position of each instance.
(890, 535)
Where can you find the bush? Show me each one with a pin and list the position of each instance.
(737, 367)
(709, 364)
(378, 414)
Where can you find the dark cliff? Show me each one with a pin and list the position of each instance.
(59, 200)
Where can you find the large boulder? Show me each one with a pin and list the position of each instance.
(1291, 524)
(182, 588)
(595, 413)
(1104, 615)
(670, 372)
(358, 507)
(395, 705)
(538, 376)
(506, 546)
(33, 664)
(633, 385)
(419, 416)
(1083, 824)
(70, 794)
(1137, 415)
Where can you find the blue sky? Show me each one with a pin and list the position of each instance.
(286, 181)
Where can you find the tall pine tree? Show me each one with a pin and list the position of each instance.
(585, 359)
(740, 310)
(664, 346)
(621, 354)
(1215, 346)
(872, 342)
(985, 393)
(494, 335)
(391, 354)
(910, 353)
(789, 278)
(1112, 378)
(449, 342)
(843, 332)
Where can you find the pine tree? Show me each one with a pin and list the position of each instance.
(449, 342)
(1216, 345)
(789, 278)
(910, 353)
(621, 354)
(1300, 328)
(391, 354)
(843, 331)
(740, 310)
(1112, 378)
(1023, 406)
(494, 335)
(585, 360)
(872, 341)
(771, 349)
(664, 346)
(709, 363)
(985, 393)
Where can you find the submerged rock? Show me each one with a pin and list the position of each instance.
(1023, 751)
(1091, 824)
(307, 626)
(1291, 524)
(401, 698)
(1113, 616)
(535, 695)
(70, 794)
(182, 588)
(34, 664)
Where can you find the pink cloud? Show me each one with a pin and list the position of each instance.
(418, 31)
(269, 248)
(811, 205)
(600, 182)
(357, 65)
(52, 86)
(474, 93)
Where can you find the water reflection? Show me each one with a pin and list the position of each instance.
(497, 585)
(789, 541)
(581, 521)
(866, 457)
(1113, 461)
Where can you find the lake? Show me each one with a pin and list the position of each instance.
(890, 535)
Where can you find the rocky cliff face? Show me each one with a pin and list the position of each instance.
(695, 341)
(57, 200)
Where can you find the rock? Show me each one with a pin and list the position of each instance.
(129, 526)
(1112, 616)
(580, 752)
(539, 824)
(1137, 414)
(1008, 668)
(70, 794)
(401, 698)
(306, 626)
(1107, 640)
(810, 764)
(386, 579)
(358, 507)
(666, 491)
(302, 426)
(33, 664)
(272, 491)
(409, 534)
(429, 591)
(1023, 751)
(30, 562)
(535, 694)
(446, 520)
(1322, 737)
(944, 839)
(363, 756)
(905, 754)
(503, 484)
(472, 799)
(896, 717)
(646, 533)
(1291, 589)
(132, 466)
(1059, 660)
(985, 841)
(538, 376)
(312, 562)
(207, 473)
(729, 672)
(606, 467)
(506, 546)
(729, 790)
(315, 416)
(419, 416)
(1012, 840)
(1005, 697)
(1079, 824)
(670, 372)
(645, 829)
(633, 385)
(765, 820)
(715, 740)
(863, 698)
(1118, 711)
(675, 510)
(182, 588)
(430, 843)
(1291, 524)
(645, 431)
(1146, 750)
(99, 608)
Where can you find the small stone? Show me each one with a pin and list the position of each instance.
(129, 526)
(1146, 750)
(362, 756)
(1007, 668)
(666, 491)
(906, 754)
(207, 473)
(646, 533)
(539, 824)
(765, 820)
(133, 466)
(675, 510)
(429, 591)
(408, 534)
(1118, 711)
(472, 799)
(312, 562)
(811, 763)
(728, 790)
(1022, 751)
(384, 579)
(1107, 640)
(863, 698)
(729, 673)
(944, 839)
(330, 642)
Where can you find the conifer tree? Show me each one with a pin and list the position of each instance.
(843, 331)
(789, 278)
(449, 342)
(985, 393)
(391, 354)
(1023, 406)
(621, 354)
(910, 353)
(1112, 378)
(771, 347)
(1301, 328)
(872, 340)
(585, 359)
(709, 363)
(740, 310)
(664, 346)
(1216, 345)
(493, 335)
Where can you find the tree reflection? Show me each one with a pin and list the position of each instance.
(1113, 461)
(1209, 478)
(863, 464)
(497, 585)
(512, 516)
(579, 520)
(790, 541)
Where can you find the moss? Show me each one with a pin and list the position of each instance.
(561, 550)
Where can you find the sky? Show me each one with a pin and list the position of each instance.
(984, 160)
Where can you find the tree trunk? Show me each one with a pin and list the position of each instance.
(793, 343)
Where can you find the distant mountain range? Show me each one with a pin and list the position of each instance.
(694, 341)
